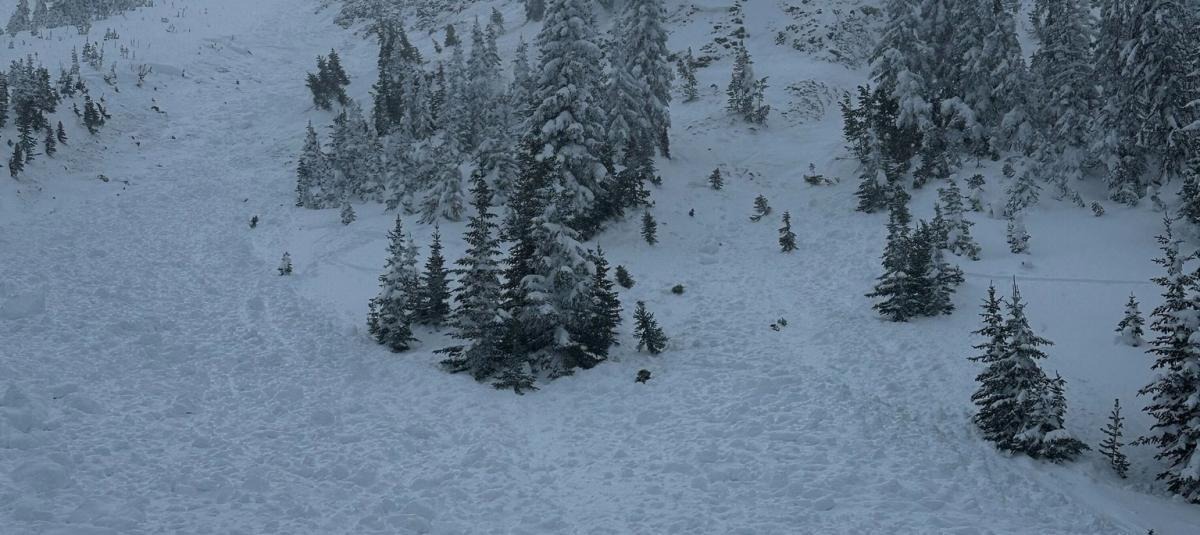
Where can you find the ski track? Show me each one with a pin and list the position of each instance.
(174, 384)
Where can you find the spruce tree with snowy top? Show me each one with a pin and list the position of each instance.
(569, 86)
(650, 336)
(285, 265)
(50, 143)
(1020, 409)
(872, 193)
(787, 238)
(1130, 327)
(745, 91)
(893, 291)
(1176, 385)
(715, 180)
(348, 215)
(641, 41)
(313, 174)
(1022, 193)
(623, 277)
(355, 155)
(933, 278)
(548, 271)
(1017, 236)
(599, 332)
(479, 322)
(761, 208)
(649, 228)
(391, 311)
(687, 72)
(444, 199)
(91, 117)
(1111, 447)
(958, 228)
(433, 306)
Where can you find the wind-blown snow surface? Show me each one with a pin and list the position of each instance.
(157, 376)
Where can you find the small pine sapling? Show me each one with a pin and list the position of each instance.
(623, 277)
(677, 289)
(1130, 327)
(1018, 237)
(348, 214)
(61, 134)
(642, 376)
(650, 336)
(254, 222)
(1111, 447)
(761, 208)
(813, 178)
(285, 265)
(715, 180)
(1097, 209)
(787, 238)
(649, 228)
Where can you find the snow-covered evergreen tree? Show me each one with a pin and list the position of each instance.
(1111, 447)
(354, 154)
(1020, 408)
(686, 68)
(1177, 382)
(932, 279)
(520, 92)
(715, 180)
(649, 228)
(19, 21)
(391, 311)
(872, 193)
(892, 293)
(787, 238)
(896, 63)
(1023, 192)
(641, 41)
(1130, 327)
(348, 215)
(433, 306)
(1017, 236)
(479, 320)
(761, 208)
(1063, 93)
(957, 227)
(745, 93)
(445, 197)
(567, 121)
(601, 318)
(650, 336)
(285, 265)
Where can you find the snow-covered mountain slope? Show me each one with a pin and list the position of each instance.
(157, 376)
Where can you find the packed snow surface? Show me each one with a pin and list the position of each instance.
(157, 376)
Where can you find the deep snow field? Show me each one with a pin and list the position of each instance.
(157, 376)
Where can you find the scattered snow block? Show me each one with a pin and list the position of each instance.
(24, 306)
(41, 475)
